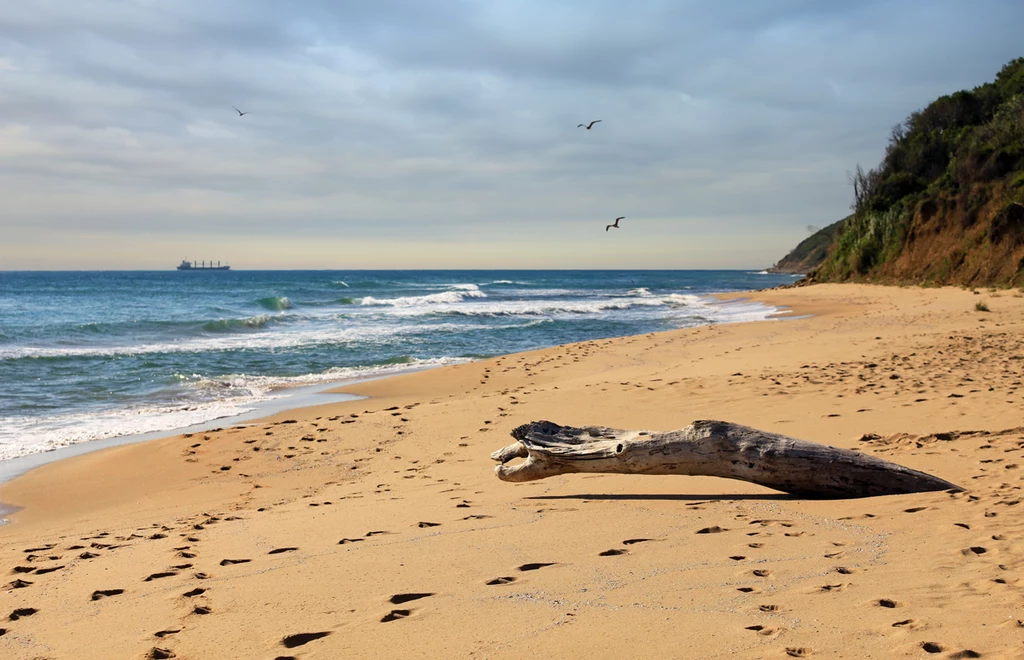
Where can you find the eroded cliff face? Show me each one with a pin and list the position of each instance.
(948, 242)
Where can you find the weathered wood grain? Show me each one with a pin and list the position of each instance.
(708, 448)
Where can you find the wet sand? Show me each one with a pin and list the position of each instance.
(377, 528)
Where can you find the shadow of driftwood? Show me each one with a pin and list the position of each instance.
(667, 496)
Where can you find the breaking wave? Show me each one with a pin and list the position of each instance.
(456, 294)
(232, 325)
(275, 303)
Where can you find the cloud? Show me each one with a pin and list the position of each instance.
(400, 122)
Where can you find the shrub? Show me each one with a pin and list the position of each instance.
(980, 306)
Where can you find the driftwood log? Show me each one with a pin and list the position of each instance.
(709, 448)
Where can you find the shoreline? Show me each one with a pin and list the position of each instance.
(13, 468)
(384, 519)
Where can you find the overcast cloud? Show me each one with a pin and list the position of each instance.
(412, 133)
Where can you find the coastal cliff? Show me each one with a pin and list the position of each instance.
(946, 204)
(809, 253)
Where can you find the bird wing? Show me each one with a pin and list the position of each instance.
(620, 218)
(607, 227)
(596, 121)
(237, 110)
(580, 126)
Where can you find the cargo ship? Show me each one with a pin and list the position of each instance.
(201, 265)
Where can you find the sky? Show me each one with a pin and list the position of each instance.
(443, 133)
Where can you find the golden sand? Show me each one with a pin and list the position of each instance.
(376, 528)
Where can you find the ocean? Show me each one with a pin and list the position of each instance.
(91, 355)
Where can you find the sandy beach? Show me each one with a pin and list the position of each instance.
(377, 528)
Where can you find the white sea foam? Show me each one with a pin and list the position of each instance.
(319, 334)
(344, 284)
(262, 386)
(532, 307)
(235, 395)
(373, 326)
(456, 294)
(21, 436)
(296, 337)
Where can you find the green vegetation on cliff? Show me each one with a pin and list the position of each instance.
(946, 204)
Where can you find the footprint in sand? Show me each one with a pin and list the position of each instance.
(344, 541)
(833, 587)
(292, 641)
(888, 602)
(157, 576)
(748, 590)
(842, 570)
(394, 615)
(377, 533)
(501, 580)
(19, 584)
(932, 647)
(165, 633)
(714, 529)
(195, 592)
(799, 652)
(201, 609)
(158, 653)
(277, 551)
(769, 608)
(229, 562)
(762, 572)
(761, 630)
(104, 593)
(534, 566)
(634, 541)
(428, 524)
(21, 612)
(614, 552)
(975, 550)
(911, 624)
(398, 599)
(966, 653)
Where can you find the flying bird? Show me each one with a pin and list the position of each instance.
(615, 224)
(240, 113)
(590, 125)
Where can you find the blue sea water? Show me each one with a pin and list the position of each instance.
(91, 355)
